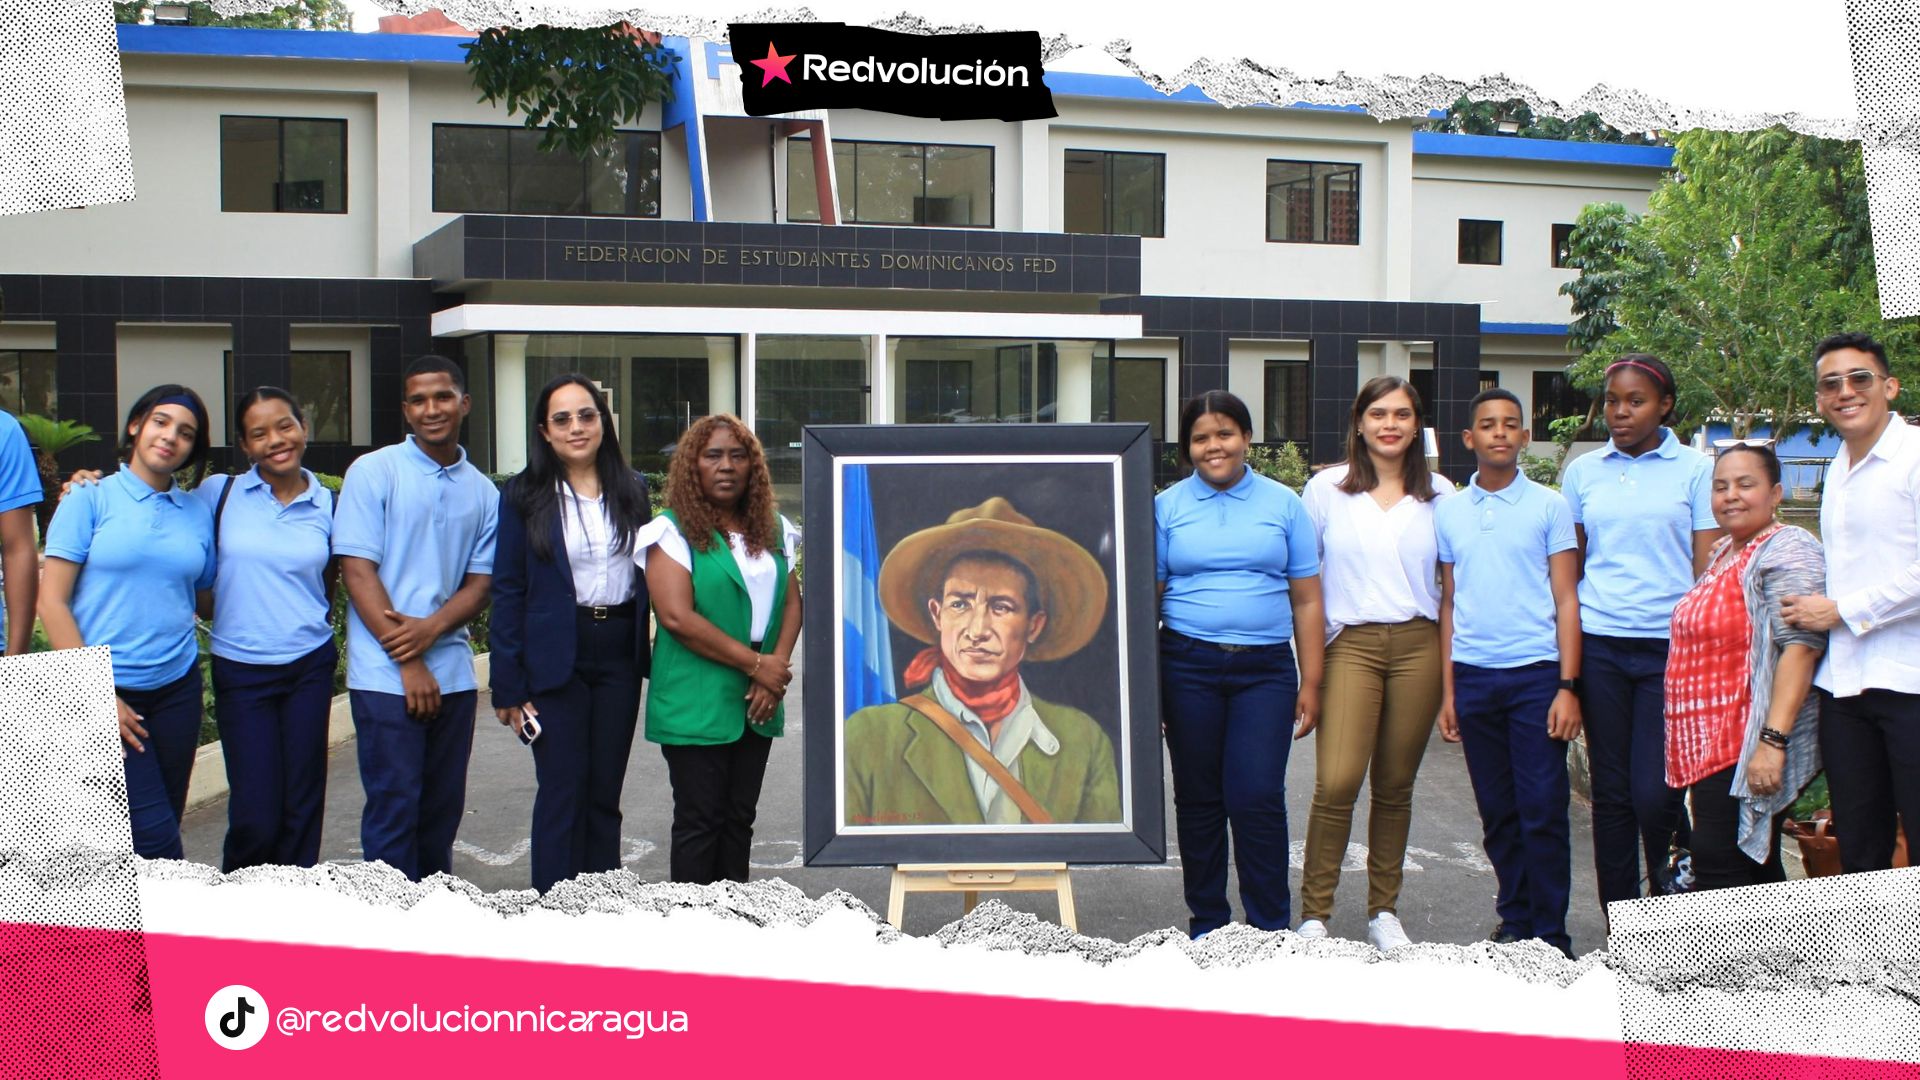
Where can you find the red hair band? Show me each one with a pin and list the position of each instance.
(1660, 378)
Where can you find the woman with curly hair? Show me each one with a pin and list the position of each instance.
(718, 563)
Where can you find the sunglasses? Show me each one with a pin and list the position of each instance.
(1859, 380)
(587, 418)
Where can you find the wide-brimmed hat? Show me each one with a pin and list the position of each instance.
(1073, 588)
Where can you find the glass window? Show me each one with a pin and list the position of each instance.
(1115, 193)
(323, 384)
(1288, 403)
(938, 391)
(801, 381)
(1553, 398)
(1562, 244)
(1131, 390)
(1313, 202)
(895, 183)
(1480, 242)
(27, 383)
(502, 170)
(276, 165)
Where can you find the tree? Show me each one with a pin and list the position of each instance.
(301, 15)
(49, 439)
(579, 85)
(1468, 117)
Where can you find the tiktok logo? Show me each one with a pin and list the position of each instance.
(236, 1017)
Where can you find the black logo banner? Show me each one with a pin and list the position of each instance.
(786, 67)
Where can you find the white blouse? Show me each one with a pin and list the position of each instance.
(1376, 566)
(759, 572)
(599, 579)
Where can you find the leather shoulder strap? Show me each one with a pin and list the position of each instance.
(951, 727)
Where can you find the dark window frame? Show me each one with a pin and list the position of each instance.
(280, 161)
(1547, 405)
(233, 395)
(1561, 238)
(1106, 191)
(1499, 242)
(433, 190)
(854, 217)
(1326, 220)
(1266, 401)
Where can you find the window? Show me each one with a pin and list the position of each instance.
(896, 183)
(277, 165)
(1313, 202)
(1480, 242)
(1562, 244)
(1287, 401)
(1116, 194)
(939, 391)
(1553, 398)
(27, 382)
(1131, 390)
(502, 170)
(322, 382)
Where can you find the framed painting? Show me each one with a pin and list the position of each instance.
(980, 645)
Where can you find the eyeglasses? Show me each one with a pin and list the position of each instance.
(1860, 380)
(587, 418)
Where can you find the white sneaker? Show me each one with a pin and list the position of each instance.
(1385, 932)
(1313, 929)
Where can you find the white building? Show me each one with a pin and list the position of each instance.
(316, 208)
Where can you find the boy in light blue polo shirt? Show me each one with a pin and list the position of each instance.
(415, 534)
(19, 561)
(1510, 622)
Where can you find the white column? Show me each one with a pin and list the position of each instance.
(723, 387)
(1395, 359)
(749, 380)
(880, 379)
(1074, 377)
(510, 402)
(1036, 179)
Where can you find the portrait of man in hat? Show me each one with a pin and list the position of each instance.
(969, 743)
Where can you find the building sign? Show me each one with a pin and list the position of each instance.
(479, 247)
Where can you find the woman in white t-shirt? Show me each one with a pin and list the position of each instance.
(1373, 514)
(719, 570)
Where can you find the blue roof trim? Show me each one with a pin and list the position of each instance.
(1128, 88)
(292, 44)
(1523, 328)
(1439, 144)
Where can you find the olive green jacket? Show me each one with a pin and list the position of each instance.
(902, 770)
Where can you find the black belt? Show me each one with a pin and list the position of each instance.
(1219, 645)
(603, 612)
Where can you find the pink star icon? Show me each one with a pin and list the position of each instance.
(773, 67)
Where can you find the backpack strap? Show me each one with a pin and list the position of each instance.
(219, 509)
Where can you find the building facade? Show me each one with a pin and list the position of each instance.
(315, 209)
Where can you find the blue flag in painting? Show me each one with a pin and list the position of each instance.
(867, 651)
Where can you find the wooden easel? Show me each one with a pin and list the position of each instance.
(972, 879)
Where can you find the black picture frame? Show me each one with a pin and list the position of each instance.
(1018, 461)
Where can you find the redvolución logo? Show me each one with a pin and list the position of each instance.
(786, 67)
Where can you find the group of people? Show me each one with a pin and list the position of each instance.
(1655, 604)
(568, 555)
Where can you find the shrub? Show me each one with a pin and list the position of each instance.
(1540, 470)
(1280, 461)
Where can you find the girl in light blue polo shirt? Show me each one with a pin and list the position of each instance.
(127, 560)
(273, 651)
(1643, 514)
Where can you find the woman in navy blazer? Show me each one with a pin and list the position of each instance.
(568, 633)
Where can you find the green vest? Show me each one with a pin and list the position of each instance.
(692, 701)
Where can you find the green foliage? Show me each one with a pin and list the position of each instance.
(51, 438)
(301, 15)
(1814, 798)
(580, 85)
(1282, 462)
(1468, 117)
(1753, 250)
(1541, 470)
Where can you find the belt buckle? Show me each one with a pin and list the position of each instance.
(1224, 647)
(599, 612)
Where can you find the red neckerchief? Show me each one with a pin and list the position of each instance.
(992, 701)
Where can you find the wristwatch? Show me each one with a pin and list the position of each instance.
(1572, 684)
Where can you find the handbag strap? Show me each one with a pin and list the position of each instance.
(951, 727)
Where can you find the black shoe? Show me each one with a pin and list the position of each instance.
(1505, 935)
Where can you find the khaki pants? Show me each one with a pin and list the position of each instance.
(1377, 707)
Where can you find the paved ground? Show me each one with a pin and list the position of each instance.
(1448, 895)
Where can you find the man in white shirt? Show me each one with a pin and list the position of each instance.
(1870, 676)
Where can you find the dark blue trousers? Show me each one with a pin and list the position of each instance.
(415, 775)
(1520, 783)
(1624, 709)
(580, 758)
(157, 778)
(1871, 745)
(273, 733)
(1229, 724)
